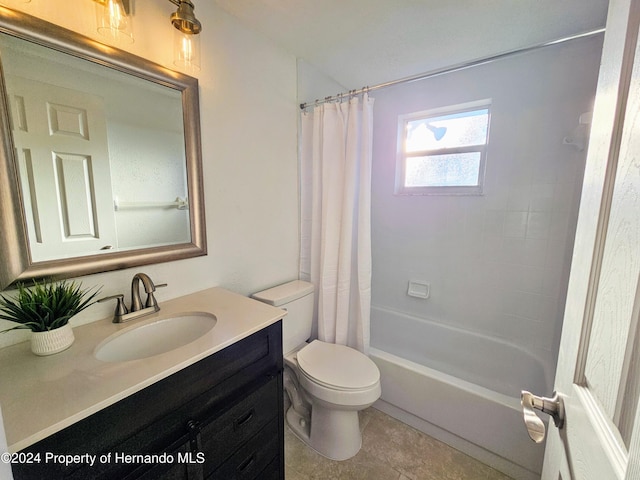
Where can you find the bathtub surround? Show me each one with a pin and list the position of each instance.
(498, 263)
(335, 250)
(478, 359)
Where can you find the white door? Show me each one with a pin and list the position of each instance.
(61, 144)
(598, 373)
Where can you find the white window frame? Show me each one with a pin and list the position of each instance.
(401, 189)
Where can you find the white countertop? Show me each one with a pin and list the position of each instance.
(42, 395)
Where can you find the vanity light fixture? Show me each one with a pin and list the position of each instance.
(186, 41)
(114, 20)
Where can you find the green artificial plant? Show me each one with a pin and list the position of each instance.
(45, 306)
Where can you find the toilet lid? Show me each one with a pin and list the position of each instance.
(338, 366)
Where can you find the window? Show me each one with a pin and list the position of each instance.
(443, 151)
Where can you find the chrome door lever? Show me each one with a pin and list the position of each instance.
(553, 406)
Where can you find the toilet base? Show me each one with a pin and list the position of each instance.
(334, 434)
(298, 424)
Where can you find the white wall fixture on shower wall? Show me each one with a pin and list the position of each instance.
(580, 135)
(419, 289)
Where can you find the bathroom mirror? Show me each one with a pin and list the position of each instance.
(100, 162)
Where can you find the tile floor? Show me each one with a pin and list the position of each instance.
(390, 450)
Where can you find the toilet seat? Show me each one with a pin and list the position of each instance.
(337, 367)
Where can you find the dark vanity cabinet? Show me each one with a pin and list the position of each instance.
(220, 418)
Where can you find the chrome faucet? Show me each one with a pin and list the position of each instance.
(137, 310)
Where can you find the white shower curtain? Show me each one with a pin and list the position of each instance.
(335, 253)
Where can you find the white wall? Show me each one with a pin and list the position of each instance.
(314, 84)
(498, 263)
(148, 167)
(248, 117)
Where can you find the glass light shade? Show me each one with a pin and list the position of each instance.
(186, 50)
(113, 21)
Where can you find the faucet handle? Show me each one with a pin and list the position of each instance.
(151, 299)
(121, 308)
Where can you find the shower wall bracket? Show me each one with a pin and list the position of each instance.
(419, 289)
(580, 135)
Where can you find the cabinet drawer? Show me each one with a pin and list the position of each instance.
(222, 436)
(253, 457)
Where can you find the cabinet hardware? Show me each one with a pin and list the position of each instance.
(244, 466)
(194, 435)
(244, 419)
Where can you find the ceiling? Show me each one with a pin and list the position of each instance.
(366, 42)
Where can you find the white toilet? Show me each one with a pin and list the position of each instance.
(327, 384)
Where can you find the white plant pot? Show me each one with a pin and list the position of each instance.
(52, 341)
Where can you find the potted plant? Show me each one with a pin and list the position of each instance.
(45, 309)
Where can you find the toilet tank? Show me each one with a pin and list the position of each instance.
(296, 298)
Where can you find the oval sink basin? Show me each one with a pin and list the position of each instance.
(155, 338)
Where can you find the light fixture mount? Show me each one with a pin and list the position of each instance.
(125, 3)
(184, 19)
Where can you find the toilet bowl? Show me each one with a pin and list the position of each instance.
(326, 384)
(337, 382)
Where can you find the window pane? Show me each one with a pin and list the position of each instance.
(448, 131)
(455, 170)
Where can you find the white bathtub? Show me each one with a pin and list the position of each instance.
(460, 387)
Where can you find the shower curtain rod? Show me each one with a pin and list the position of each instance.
(454, 68)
